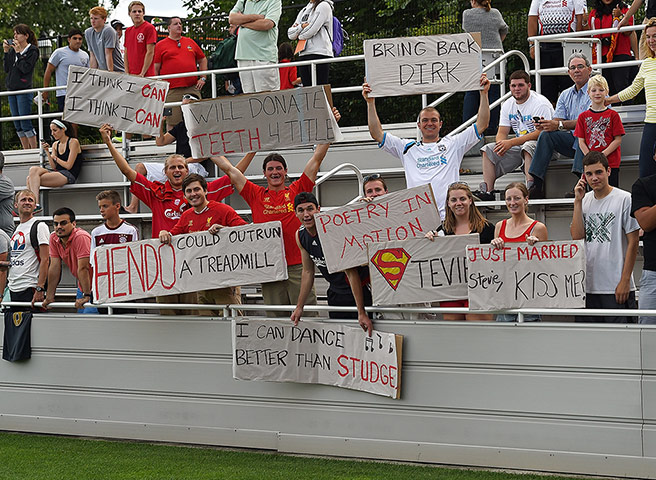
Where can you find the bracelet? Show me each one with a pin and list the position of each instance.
(86, 295)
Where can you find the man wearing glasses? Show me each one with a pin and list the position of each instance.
(557, 135)
(178, 54)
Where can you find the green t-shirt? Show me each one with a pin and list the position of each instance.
(258, 44)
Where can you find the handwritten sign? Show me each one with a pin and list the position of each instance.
(260, 121)
(418, 270)
(312, 352)
(127, 102)
(427, 64)
(547, 274)
(196, 261)
(345, 232)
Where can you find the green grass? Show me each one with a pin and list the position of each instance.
(38, 457)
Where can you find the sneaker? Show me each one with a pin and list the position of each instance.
(38, 208)
(535, 192)
(117, 139)
(483, 196)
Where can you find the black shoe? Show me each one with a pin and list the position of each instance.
(484, 196)
(535, 192)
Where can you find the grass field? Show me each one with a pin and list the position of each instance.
(42, 457)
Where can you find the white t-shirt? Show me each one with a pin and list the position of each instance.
(103, 235)
(556, 16)
(519, 117)
(607, 221)
(24, 269)
(436, 163)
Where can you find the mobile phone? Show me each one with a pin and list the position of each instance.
(10, 41)
(536, 119)
(584, 179)
(168, 111)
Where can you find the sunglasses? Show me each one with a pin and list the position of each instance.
(179, 44)
(369, 178)
(188, 96)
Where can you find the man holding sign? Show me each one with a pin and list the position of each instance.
(432, 160)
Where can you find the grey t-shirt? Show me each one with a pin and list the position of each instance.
(98, 42)
(61, 59)
(6, 204)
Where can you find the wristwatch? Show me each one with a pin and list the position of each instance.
(86, 295)
(560, 125)
(39, 289)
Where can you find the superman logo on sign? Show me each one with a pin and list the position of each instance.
(391, 263)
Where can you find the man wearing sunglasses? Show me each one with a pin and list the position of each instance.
(179, 54)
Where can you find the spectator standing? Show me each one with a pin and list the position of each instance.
(643, 209)
(433, 160)
(21, 55)
(313, 29)
(518, 112)
(481, 17)
(557, 135)
(114, 230)
(140, 40)
(646, 79)
(59, 62)
(179, 54)
(546, 17)
(257, 42)
(7, 193)
(373, 186)
(602, 217)
(288, 76)
(118, 27)
(102, 40)
(72, 246)
(650, 12)
(600, 128)
(29, 252)
(615, 47)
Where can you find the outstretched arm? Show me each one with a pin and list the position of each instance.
(312, 168)
(307, 280)
(483, 118)
(375, 128)
(245, 162)
(237, 178)
(356, 288)
(121, 162)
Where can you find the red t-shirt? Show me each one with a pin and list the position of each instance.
(287, 76)
(219, 189)
(623, 45)
(268, 206)
(136, 40)
(214, 212)
(174, 59)
(598, 129)
(77, 246)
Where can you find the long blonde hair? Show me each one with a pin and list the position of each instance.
(476, 219)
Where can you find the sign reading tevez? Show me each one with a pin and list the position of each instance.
(312, 352)
(127, 102)
(345, 232)
(418, 270)
(426, 64)
(547, 274)
(260, 121)
(196, 261)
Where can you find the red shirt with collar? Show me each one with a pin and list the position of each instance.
(77, 246)
(214, 212)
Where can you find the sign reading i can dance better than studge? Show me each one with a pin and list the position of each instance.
(313, 352)
(426, 64)
(127, 102)
(197, 261)
(260, 121)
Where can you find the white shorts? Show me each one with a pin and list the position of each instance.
(155, 171)
(258, 80)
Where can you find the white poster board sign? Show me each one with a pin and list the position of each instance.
(345, 232)
(260, 121)
(426, 64)
(235, 256)
(547, 274)
(127, 102)
(312, 352)
(419, 270)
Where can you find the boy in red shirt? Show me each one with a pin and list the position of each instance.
(140, 41)
(600, 129)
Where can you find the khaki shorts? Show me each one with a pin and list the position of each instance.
(175, 95)
(286, 292)
(512, 159)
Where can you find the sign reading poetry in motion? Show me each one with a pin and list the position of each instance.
(196, 261)
(345, 232)
(428, 64)
(312, 352)
(547, 274)
(260, 121)
(419, 270)
(127, 102)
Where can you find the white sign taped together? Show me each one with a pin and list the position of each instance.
(424, 64)
(260, 121)
(313, 352)
(547, 274)
(419, 270)
(345, 232)
(235, 256)
(127, 102)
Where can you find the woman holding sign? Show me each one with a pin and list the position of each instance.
(518, 228)
(462, 218)
(65, 159)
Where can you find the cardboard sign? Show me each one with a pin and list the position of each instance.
(419, 270)
(197, 261)
(260, 121)
(345, 232)
(127, 102)
(312, 352)
(428, 64)
(547, 274)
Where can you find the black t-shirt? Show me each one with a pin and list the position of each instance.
(650, 11)
(643, 194)
(486, 236)
(181, 139)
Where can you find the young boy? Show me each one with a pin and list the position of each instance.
(115, 229)
(600, 129)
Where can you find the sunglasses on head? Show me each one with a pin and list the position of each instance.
(369, 178)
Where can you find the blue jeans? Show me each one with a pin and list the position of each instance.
(85, 309)
(21, 104)
(561, 141)
(472, 102)
(646, 163)
(647, 295)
